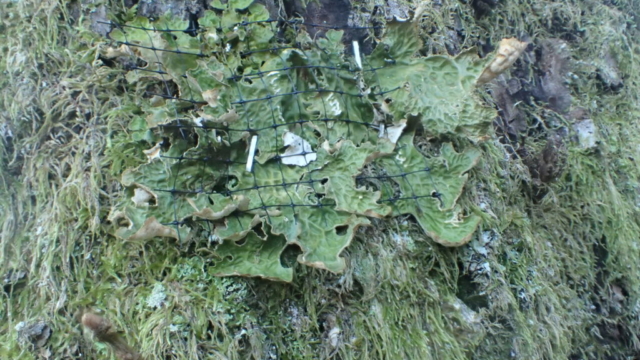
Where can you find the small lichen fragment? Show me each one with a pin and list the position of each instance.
(240, 203)
(586, 134)
(211, 97)
(153, 228)
(153, 153)
(141, 197)
(334, 337)
(393, 133)
(299, 151)
(123, 50)
(157, 297)
(508, 52)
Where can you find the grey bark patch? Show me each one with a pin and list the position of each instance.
(34, 333)
(512, 121)
(552, 159)
(554, 64)
(586, 134)
(608, 72)
(324, 14)
(466, 323)
(182, 9)
(99, 21)
(546, 166)
(398, 11)
(13, 280)
(483, 8)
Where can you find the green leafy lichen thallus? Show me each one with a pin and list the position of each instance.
(335, 119)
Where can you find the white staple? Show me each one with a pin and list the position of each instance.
(356, 53)
(252, 152)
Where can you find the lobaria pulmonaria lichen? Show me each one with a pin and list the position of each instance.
(308, 120)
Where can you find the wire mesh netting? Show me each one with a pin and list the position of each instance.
(267, 137)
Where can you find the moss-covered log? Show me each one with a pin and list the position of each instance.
(552, 271)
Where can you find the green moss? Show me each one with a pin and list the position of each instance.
(557, 263)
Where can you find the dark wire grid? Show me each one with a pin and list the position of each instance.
(236, 78)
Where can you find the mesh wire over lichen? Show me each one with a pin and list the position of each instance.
(317, 117)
